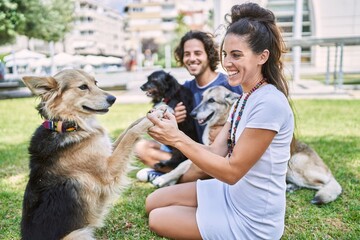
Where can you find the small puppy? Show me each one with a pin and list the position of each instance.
(75, 171)
(163, 88)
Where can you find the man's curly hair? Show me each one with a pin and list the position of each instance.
(210, 47)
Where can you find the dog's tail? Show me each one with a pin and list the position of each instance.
(328, 193)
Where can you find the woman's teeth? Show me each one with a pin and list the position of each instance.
(233, 73)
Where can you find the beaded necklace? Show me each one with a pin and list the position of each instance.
(231, 137)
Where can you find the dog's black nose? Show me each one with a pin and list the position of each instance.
(193, 114)
(111, 99)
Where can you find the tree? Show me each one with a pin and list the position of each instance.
(182, 27)
(11, 21)
(48, 20)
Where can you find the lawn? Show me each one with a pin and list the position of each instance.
(331, 127)
(348, 78)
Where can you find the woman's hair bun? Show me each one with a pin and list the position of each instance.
(251, 11)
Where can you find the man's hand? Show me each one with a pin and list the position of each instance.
(180, 112)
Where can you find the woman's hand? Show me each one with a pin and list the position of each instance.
(180, 112)
(165, 130)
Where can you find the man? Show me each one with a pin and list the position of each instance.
(198, 53)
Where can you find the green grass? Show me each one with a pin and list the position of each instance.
(353, 78)
(331, 127)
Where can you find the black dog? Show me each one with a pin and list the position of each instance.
(164, 88)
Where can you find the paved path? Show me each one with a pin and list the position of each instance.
(302, 89)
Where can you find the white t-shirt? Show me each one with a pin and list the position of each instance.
(255, 205)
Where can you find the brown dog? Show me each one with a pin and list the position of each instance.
(75, 171)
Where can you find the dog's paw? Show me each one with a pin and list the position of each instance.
(317, 200)
(159, 182)
(163, 182)
(159, 111)
(144, 123)
(290, 187)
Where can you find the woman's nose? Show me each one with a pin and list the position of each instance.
(226, 61)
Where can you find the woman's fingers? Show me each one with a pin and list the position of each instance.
(153, 117)
(170, 116)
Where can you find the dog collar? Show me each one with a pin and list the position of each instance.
(60, 126)
(166, 100)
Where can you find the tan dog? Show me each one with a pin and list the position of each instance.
(306, 168)
(75, 171)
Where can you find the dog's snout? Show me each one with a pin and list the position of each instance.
(193, 114)
(111, 99)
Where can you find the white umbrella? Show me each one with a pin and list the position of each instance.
(43, 62)
(65, 59)
(113, 60)
(24, 54)
(94, 60)
(18, 62)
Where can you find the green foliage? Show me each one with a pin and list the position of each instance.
(331, 127)
(46, 20)
(161, 56)
(49, 20)
(182, 27)
(11, 21)
(211, 19)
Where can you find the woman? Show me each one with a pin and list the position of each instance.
(248, 159)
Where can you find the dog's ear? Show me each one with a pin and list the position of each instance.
(172, 84)
(40, 85)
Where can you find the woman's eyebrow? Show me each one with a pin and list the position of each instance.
(236, 51)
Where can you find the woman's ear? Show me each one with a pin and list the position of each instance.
(264, 56)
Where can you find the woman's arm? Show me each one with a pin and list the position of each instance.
(249, 148)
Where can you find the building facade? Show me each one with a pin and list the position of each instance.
(98, 30)
(158, 19)
(329, 20)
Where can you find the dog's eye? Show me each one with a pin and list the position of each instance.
(211, 100)
(96, 83)
(84, 87)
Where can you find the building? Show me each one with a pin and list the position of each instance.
(158, 19)
(98, 30)
(330, 32)
(198, 14)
